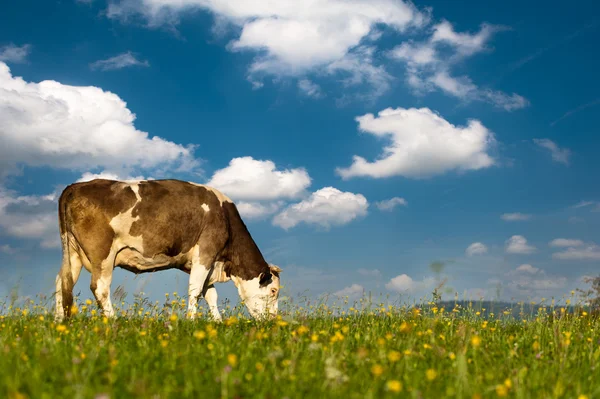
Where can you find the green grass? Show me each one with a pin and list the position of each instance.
(316, 353)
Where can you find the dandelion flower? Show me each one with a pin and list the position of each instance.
(394, 386)
(377, 370)
(232, 359)
(431, 374)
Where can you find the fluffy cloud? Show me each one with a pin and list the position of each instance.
(560, 155)
(353, 291)
(88, 176)
(326, 207)
(518, 245)
(514, 217)
(74, 127)
(249, 179)
(589, 252)
(30, 217)
(289, 36)
(423, 144)
(404, 284)
(390, 204)
(464, 43)
(14, 54)
(309, 88)
(527, 268)
(256, 210)
(428, 67)
(124, 60)
(476, 248)
(565, 242)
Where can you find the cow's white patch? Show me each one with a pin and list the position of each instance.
(205, 207)
(222, 197)
(198, 275)
(260, 301)
(211, 298)
(136, 190)
(121, 225)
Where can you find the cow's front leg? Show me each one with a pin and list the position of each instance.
(198, 276)
(210, 296)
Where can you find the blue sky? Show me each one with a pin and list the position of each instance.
(475, 128)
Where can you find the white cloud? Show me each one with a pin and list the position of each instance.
(124, 60)
(514, 217)
(464, 43)
(428, 67)
(353, 291)
(326, 207)
(249, 179)
(476, 248)
(360, 69)
(423, 54)
(423, 144)
(565, 242)
(528, 269)
(309, 88)
(404, 284)
(14, 54)
(78, 128)
(401, 283)
(87, 176)
(287, 34)
(30, 217)
(590, 252)
(518, 245)
(390, 204)
(560, 155)
(369, 272)
(256, 210)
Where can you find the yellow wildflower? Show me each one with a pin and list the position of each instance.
(501, 391)
(475, 340)
(377, 370)
(232, 359)
(394, 386)
(431, 374)
(199, 334)
(394, 356)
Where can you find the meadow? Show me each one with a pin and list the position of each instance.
(309, 351)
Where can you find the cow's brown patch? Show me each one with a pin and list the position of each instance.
(88, 209)
(171, 217)
(242, 256)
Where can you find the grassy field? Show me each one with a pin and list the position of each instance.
(430, 352)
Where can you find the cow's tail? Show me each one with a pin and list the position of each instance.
(64, 279)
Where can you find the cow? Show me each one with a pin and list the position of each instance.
(150, 225)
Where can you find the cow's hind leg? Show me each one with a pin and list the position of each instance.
(66, 279)
(100, 284)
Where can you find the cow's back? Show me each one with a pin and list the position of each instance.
(157, 218)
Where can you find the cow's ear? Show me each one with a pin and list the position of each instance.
(264, 278)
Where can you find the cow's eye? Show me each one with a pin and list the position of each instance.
(274, 291)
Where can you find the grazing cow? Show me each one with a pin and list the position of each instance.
(145, 226)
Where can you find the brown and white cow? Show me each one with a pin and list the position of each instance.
(145, 226)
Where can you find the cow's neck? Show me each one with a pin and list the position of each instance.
(244, 259)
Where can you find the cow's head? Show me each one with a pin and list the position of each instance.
(261, 294)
